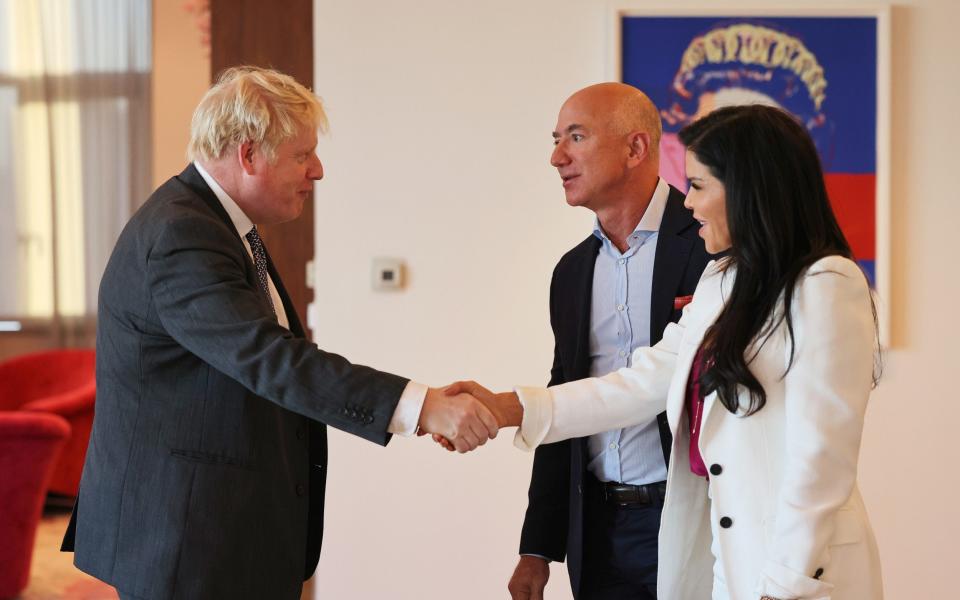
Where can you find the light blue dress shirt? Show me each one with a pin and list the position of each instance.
(619, 324)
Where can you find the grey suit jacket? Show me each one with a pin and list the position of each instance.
(206, 468)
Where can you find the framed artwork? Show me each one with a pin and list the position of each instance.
(829, 67)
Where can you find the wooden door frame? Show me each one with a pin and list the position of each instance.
(278, 35)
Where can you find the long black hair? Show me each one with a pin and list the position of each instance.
(780, 223)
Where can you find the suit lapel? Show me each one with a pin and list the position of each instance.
(192, 179)
(292, 319)
(711, 401)
(583, 286)
(676, 403)
(670, 262)
(708, 305)
(580, 284)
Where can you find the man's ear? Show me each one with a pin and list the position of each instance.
(245, 155)
(639, 145)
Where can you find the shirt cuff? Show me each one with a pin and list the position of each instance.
(537, 417)
(537, 556)
(407, 414)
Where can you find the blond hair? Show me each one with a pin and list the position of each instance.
(252, 104)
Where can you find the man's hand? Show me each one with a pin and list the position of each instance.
(529, 578)
(459, 418)
(505, 406)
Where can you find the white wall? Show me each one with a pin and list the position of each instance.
(441, 115)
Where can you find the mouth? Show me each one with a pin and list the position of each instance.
(567, 179)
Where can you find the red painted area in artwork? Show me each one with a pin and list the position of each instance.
(854, 201)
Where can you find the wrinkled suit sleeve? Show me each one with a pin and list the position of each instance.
(198, 284)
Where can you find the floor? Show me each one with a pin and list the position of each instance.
(52, 575)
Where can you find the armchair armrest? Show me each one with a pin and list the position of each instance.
(66, 404)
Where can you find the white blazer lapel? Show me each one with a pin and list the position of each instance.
(711, 400)
(707, 304)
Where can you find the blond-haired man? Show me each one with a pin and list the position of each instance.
(207, 462)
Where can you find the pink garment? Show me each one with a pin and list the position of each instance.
(695, 414)
(672, 158)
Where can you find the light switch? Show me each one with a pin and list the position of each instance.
(387, 274)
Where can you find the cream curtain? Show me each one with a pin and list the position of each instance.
(74, 148)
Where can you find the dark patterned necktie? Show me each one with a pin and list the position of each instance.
(260, 262)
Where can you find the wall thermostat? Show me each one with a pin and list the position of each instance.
(387, 274)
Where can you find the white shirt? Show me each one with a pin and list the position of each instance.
(407, 414)
(619, 324)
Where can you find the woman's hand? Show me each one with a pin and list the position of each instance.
(505, 406)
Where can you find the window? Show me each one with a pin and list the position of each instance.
(74, 149)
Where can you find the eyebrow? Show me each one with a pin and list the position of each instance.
(570, 128)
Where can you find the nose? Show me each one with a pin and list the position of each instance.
(315, 172)
(559, 157)
(686, 201)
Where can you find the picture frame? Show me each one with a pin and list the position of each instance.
(827, 65)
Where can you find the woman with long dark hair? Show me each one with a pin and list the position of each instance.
(765, 379)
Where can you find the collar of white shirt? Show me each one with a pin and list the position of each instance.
(240, 220)
(243, 225)
(652, 217)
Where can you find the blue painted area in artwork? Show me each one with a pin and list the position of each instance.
(870, 269)
(846, 48)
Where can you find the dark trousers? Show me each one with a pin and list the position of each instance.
(619, 548)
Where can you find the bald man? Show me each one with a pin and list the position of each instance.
(596, 501)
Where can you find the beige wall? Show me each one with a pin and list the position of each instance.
(441, 114)
(181, 74)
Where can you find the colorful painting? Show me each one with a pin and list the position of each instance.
(822, 69)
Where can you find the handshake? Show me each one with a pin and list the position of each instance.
(464, 415)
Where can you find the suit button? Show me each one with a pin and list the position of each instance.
(715, 469)
(368, 420)
(726, 522)
(580, 488)
(301, 490)
(299, 433)
(818, 574)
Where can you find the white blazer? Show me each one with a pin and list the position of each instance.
(787, 475)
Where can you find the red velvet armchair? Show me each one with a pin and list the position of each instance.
(29, 443)
(60, 382)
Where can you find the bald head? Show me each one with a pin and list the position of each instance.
(606, 149)
(624, 109)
